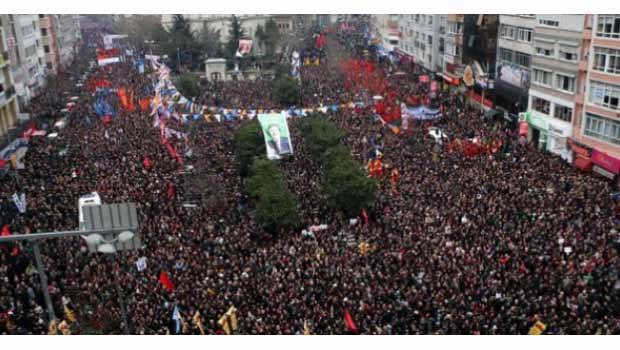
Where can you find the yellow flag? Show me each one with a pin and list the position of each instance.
(198, 321)
(224, 322)
(70, 315)
(538, 328)
(51, 328)
(306, 328)
(233, 317)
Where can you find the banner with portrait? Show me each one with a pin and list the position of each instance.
(277, 136)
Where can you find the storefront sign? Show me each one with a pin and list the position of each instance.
(474, 96)
(606, 162)
(536, 122)
(555, 131)
(580, 151)
(601, 171)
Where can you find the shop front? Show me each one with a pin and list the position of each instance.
(550, 135)
(581, 156)
(606, 165)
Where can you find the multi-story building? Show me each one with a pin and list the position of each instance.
(453, 51)
(596, 123)
(59, 34)
(386, 32)
(26, 54)
(423, 38)
(514, 61)
(8, 101)
(557, 42)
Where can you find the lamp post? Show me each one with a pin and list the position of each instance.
(99, 221)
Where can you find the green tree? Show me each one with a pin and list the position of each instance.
(276, 206)
(182, 45)
(286, 91)
(187, 84)
(268, 37)
(209, 40)
(321, 134)
(249, 141)
(347, 186)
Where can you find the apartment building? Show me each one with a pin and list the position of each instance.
(514, 61)
(25, 48)
(8, 100)
(596, 126)
(423, 37)
(557, 41)
(59, 34)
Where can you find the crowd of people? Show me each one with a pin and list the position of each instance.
(459, 245)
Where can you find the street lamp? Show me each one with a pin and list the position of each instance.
(99, 221)
(107, 247)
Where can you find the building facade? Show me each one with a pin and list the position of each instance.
(514, 61)
(59, 34)
(8, 100)
(423, 37)
(596, 125)
(26, 54)
(557, 41)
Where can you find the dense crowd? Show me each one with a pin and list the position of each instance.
(460, 245)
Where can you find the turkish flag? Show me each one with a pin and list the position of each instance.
(171, 191)
(5, 231)
(146, 162)
(165, 281)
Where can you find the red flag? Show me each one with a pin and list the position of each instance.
(15, 251)
(107, 119)
(171, 191)
(349, 321)
(365, 216)
(165, 281)
(146, 162)
(5, 231)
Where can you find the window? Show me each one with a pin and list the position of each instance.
(608, 26)
(568, 54)
(417, 18)
(41, 16)
(430, 20)
(541, 105)
(508, 32)
(607, 60)
(563, 113)
(49, 65)
(564, 82)
(542, 51)
(457, 50)
(523, 59)
(602, 128)
(604, 95)
(524, 34)
(548, 23)
(46, 48)
(430, 40)
(505, 54)
(542, 77)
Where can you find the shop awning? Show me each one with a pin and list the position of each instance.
(583, 163)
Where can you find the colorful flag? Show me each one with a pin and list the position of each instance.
(165, 281)
(141, 264)
(176, 316)
(64, 328)
(69, 314)
(146, 162)
(52, 328)
(349, 321)
(198, 321)
(538, 328)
